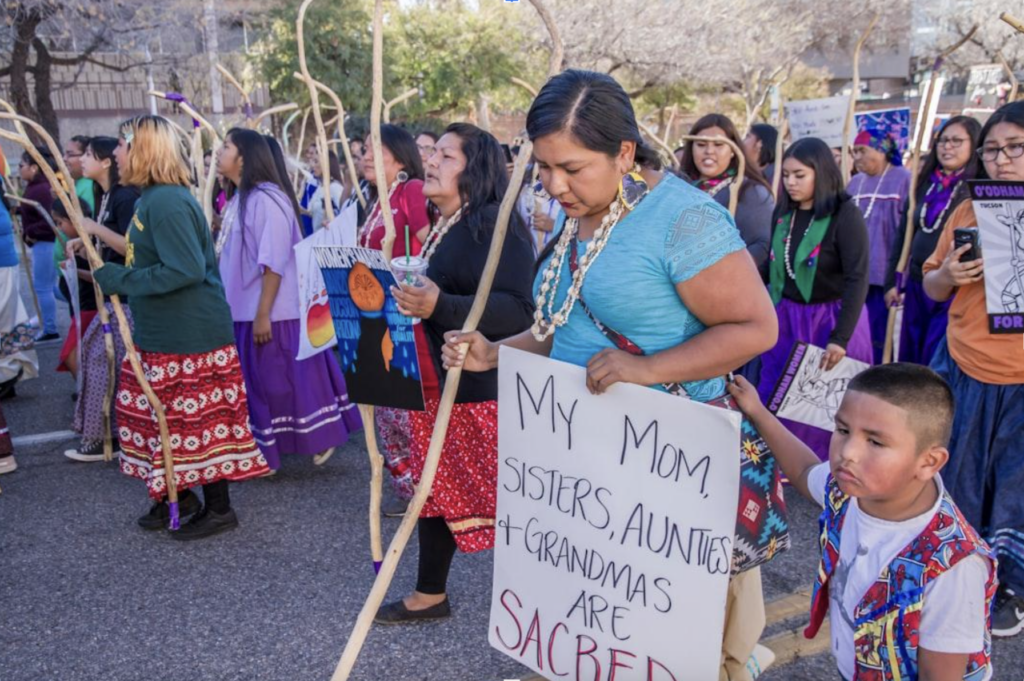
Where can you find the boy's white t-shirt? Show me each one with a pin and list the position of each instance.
(867, 545)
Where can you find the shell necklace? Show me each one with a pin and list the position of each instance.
(545, 324)
(874, 194)
(376, 218)
(438, 232)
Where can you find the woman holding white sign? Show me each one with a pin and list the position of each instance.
(647, 282)
(985, 473)
(817, 272)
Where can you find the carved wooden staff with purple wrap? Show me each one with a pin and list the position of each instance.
(68, 197)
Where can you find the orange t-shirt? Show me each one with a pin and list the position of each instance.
(986, 357)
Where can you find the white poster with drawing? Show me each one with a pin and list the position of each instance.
(614, 526)
(999, 207)
(316, 329)
(808, 394)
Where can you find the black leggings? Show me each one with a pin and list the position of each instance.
(437, 548)
(215, 496)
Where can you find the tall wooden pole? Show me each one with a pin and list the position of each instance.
(854, 94)
(70, 200)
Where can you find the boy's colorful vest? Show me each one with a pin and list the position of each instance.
(887, 619)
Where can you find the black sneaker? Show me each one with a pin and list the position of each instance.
(397, 613)
(206, 523)
(42, 338)
(160, 513)
(1007, 613)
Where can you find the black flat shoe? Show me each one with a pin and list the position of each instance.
(160, 513)
(206, 523)
(395, 509)
(397, 613)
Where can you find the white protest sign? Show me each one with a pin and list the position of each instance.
(316, 328)
(614, 526)
(821, 118)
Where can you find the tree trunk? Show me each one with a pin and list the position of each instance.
(212, 50)
(24, 32)
(483, 112)
(47, 115)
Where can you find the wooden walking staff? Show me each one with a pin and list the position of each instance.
(451, 387)
(669, 154)
(854, 94)
(280, 108)
(70, 201)
(387, 248)
(339, 119)
(923, 130)
(108, 338)
(396, 101)
(314, 99)
(734, 190)
(779, 145)
(1012, 21)
(246, 99)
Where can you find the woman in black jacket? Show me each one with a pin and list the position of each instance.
(466, 179)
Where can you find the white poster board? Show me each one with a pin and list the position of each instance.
(821, 118)
(316, 328)
(999, 207)
(614, 526)
(808, 394)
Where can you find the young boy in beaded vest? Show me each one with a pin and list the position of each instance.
(907, 581)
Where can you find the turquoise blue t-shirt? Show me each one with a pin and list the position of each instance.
(675, 233)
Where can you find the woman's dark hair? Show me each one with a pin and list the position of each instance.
(769, 138)
(484, 180)
(402, 146)
(259, 168)
(751, 175)
(284, 180)
(1007, 113)
(931, 161)
(59, 211)
(103, 149)
(829, 194)
(594, 109)
(82, 141)
(429, 134)
(46, 155)
(333, 167)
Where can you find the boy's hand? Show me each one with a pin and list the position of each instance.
(745, 395)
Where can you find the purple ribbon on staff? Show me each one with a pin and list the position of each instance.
(376, 566)
(248, 110)
(107, 328)
(181, 99)
(175, 518)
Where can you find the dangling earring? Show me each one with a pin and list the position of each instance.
(402, 176)
(632, 188)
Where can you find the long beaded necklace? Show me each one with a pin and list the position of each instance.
(874, 194)
(545, 325)
(785, 251)
(227, 224)
(924, 209)
(376, 218)
(437, 233)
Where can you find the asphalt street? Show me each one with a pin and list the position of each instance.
(85, 595)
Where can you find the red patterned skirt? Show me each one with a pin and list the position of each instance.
(204, 398)
(465, 488)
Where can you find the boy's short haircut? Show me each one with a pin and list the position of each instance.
(922, 393)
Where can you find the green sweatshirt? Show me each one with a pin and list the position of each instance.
(171, 276)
